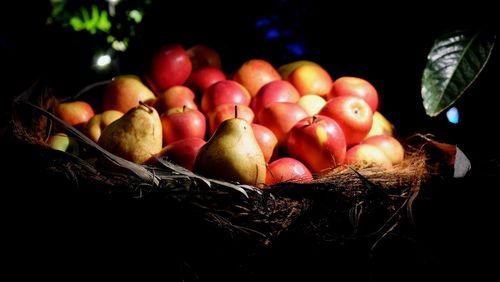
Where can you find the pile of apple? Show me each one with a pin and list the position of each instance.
(258, 126)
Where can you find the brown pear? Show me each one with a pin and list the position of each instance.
(232, 154)
(136, 136)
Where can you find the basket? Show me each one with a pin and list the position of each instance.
(343, 215)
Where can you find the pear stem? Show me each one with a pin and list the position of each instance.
(235, 111)
(150, 110)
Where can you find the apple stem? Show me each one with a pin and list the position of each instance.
(315, 118)
(150, 110)
(235, 111)
(184, 108)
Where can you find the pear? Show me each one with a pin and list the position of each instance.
(232, 154)
(136, 136)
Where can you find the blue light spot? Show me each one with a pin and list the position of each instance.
(262, 22)
(296, 48)
(272, 33)
(452, 115)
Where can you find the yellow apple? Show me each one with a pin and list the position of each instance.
(389, 145)
(367, 154)
(311, 103)
(380, 125)
(62, 142)
(98, 122)
(286, 69)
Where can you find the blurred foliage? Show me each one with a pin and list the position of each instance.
(116, 21)
(97, 21)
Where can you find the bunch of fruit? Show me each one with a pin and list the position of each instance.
(258, 126)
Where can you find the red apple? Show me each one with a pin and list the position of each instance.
(181, 123)
(124, 93)
(266, 139)
(175, 97)
(287, 169)
(280, 117)
(227, 111)
(353, 115)
(274, 91)
(389, 145)
(311, 79)
(318, 142)
(254, 74)
(170, 66)
(76, 113)
(201, 78)
(367, 154)
(182, 152)
(357, 87)
(224, 92)
(149, 83)
(202, 56)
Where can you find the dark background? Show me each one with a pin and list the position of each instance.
(387, 45)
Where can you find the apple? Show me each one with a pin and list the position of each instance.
(98, 122)
(224, 92)
(201, 78)
(287, 169)
(353, 115)
(170, 66)
(311, 103)
(266, 139)
(148, 82)
(286, 69)
(367, 154)
(62, 142)
(180, 123)
(175, 97)
(124, 93)
(75, 113)
(380, 125)
(202, 56)
(182, 152)
(391, 147)
(274, 91)
(357, 87)
(227, 111)
(318, 142)
(311, 79)
(280, 117)
(255, 73)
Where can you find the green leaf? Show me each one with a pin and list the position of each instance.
(103, 24)
(76, 23)
(454, 62)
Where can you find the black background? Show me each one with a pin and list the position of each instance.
(387, 45)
